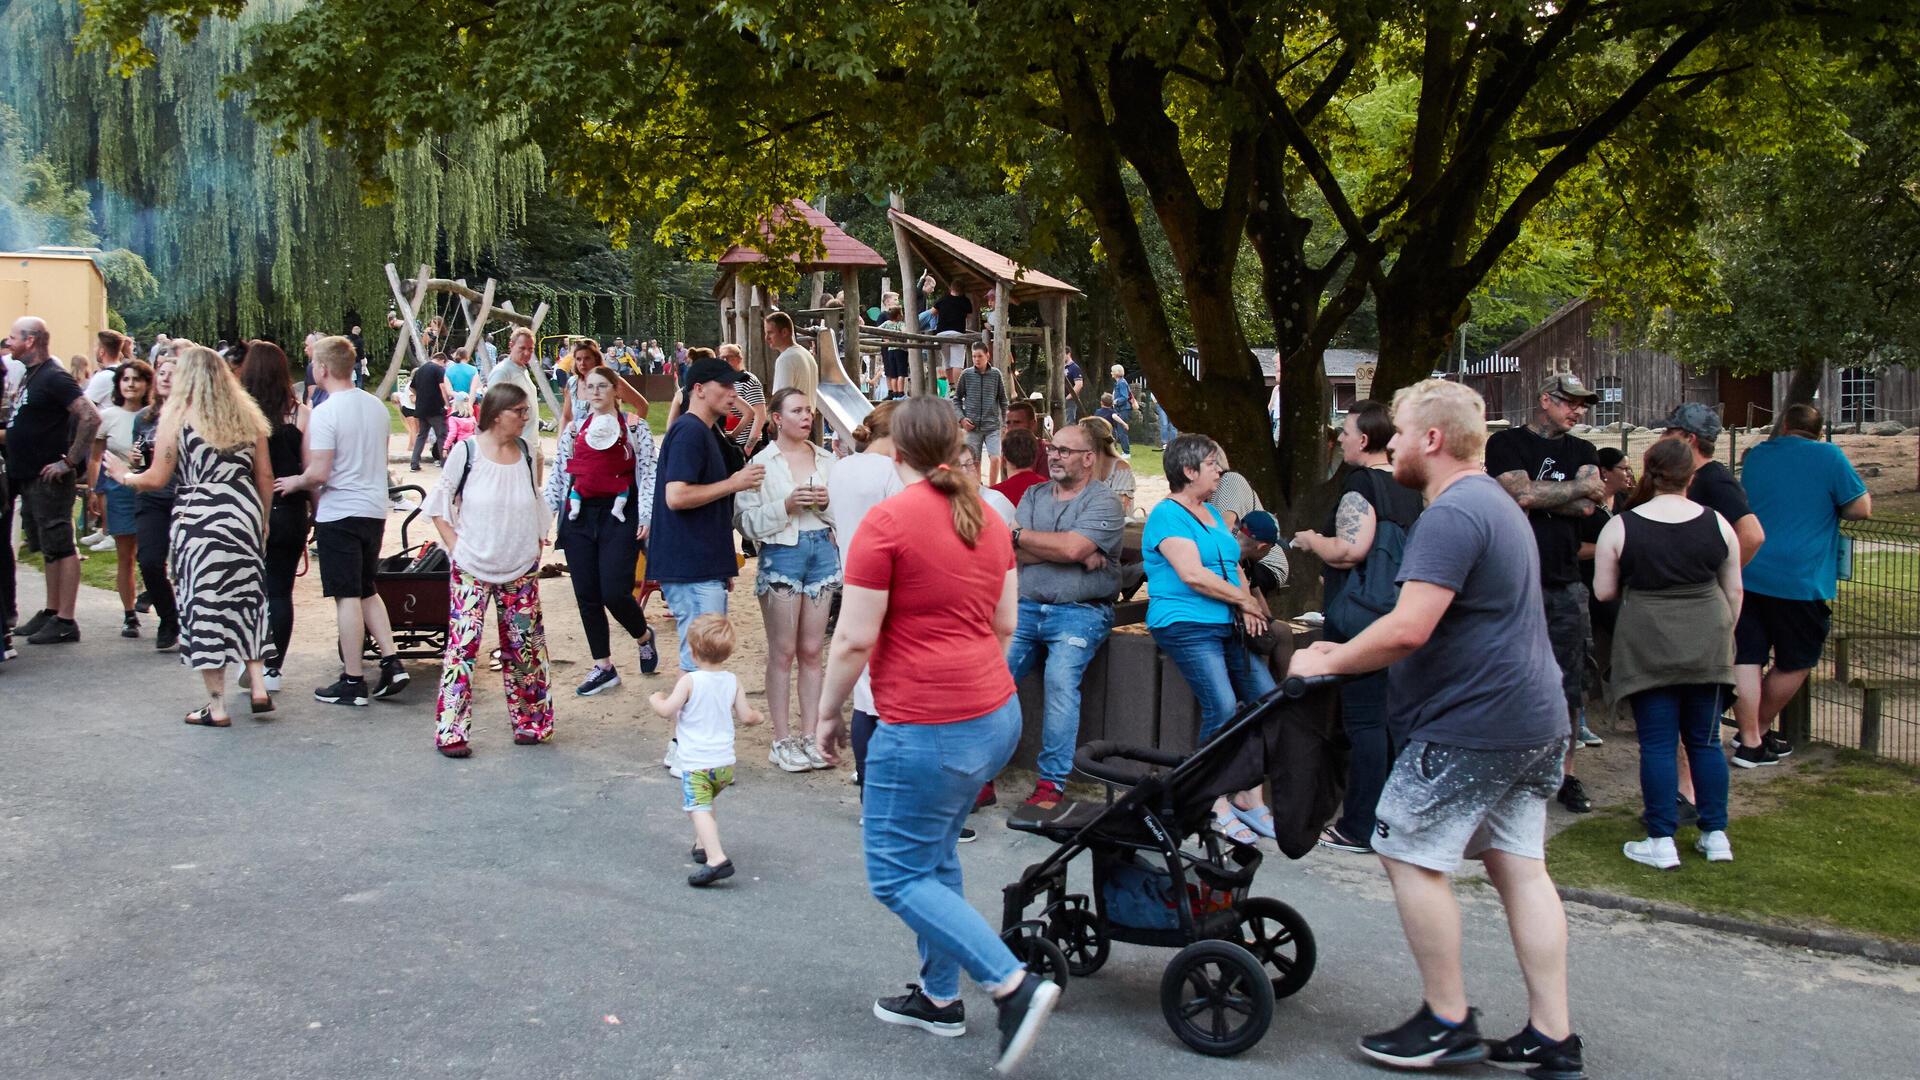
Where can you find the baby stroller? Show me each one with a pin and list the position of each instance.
(1237, 953)
(413, 584)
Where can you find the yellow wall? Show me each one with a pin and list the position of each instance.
(65, 290)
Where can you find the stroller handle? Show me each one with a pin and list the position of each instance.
(1124, 765)
(394, 492)
(1295, 687)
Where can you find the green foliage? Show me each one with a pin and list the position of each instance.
(38, 207)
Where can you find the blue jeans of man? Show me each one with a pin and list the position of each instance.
(919, 784)
(1664, 718)
(1218, 669)
(688, 600)
(1168, 432)
(1069, 635)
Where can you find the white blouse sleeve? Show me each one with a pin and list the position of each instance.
(640, 437)
(439, 501)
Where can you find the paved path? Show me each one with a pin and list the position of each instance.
(323, 896)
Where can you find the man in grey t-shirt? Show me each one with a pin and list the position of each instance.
(1472, 679)
(1067, 539)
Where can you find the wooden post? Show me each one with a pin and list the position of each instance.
(850, 324)
(1796, 720)
(1002, 348)
(1870, 720)
(1842, 657)
(478, 328)
(917, 382)
(1053, 311)
(409, 314)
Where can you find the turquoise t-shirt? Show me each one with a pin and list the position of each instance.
(461, 376)
(1169, 600)
(1796, 487)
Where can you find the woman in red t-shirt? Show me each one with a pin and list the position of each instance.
(931, 599)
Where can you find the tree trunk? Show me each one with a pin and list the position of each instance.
(1802, 386)
(1417, 324)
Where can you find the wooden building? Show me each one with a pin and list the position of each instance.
(1636, 385)
(1862, 395)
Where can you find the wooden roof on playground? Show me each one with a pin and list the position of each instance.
(841, 251)
(953, 258)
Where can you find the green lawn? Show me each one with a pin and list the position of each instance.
(1836, 841)
(97, 571)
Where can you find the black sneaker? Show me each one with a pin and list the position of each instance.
(598, 679)
(34, 625)
(143, 603)
(1753, 757)
(393, 679)
(1548, 1060)
(915, 1009)
(968, 836)
(1573, 795)
(1423, 1042)
(649, 655)
(57, 631)
(344, 691)
(707, 875)
(165, 638)
(1022, 1014)
(130, 626)
(1776, 744)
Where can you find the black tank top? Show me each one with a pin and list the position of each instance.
(283, 453)
(1661, 554)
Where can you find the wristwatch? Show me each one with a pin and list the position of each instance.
(1016, 538)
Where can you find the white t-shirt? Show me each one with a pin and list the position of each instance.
(16, 380)
(116, 429)
(100, 387)
(795, 366)
(353, 424)
(1000, 503)
(705, 729)
(506, 371)
(857, 484)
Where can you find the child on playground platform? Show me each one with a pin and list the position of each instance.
(704, 704)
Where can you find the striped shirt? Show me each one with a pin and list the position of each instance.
(752, 396)
(983, 398)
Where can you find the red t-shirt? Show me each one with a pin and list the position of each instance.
(1016, 485)
(937, 660)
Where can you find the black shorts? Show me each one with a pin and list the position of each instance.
(895, 361)
(349, 555)
(1792, 631)
(46, 516)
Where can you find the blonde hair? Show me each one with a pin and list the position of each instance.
(1101, 434)
(710, 638)
(336, 355)
(207, 397)
(80, 367)
(1456, 410)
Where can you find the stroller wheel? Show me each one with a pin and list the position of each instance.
(1281, 940)
(1040, 956)
(1081, 939)
(1217, 998)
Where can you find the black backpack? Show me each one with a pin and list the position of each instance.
(1371, 589)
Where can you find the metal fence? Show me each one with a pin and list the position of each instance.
(1865, 692)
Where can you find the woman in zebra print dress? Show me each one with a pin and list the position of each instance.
(217, 437)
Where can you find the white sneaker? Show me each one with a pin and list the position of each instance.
(1655, 851)
(789, 756)
(105, 543)
(811, 751)
(1715, 846)
(95, 537)
(270, 678)
(672, 760)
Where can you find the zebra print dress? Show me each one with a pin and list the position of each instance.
(218, 556)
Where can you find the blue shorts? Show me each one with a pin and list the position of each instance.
(699, 786)
(119, 500)
(811, 566)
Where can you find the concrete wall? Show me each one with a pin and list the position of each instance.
(65, 290)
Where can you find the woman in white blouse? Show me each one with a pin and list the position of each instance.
(493, 522)
(789, 517)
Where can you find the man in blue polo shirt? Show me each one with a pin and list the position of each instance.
(1801, 489)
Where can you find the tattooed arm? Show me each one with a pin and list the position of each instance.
(1572, 498)
(1352, 539)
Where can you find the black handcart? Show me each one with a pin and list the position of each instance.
(413, 585)
(1162, 877)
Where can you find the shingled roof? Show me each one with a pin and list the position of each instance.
(842, 251)
(957, 258)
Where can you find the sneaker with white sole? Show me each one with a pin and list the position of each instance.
(672, 761)
(915, 1009)
(598, 679)
(811, 751)
(270, 680)
(1588, 738)
(1715, 846)
(788, 755)
(1655, 851)
(95, 537)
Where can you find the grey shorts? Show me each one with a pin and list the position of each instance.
(1568, 628)
(1445, 803)
(984, 443)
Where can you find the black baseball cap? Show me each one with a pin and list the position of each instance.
(711, 369)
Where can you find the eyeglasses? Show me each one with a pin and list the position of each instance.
(1063, 451)
(522, 411)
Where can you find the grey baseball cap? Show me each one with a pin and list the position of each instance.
(1565, 384)
(1695, 418)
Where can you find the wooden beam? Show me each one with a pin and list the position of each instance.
(917, 381)
(409, 314)
(1002, 349)
(478, 328)
(850, 323)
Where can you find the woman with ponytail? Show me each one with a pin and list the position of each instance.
(932, 597)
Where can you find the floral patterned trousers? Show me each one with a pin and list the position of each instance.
(523, 656)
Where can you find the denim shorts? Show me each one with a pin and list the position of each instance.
(810, 566)
(699, 786)
(119, 499)
(1444, 803)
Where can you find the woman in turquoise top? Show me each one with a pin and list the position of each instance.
(1194, 596)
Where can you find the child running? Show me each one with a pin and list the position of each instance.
(703, 705)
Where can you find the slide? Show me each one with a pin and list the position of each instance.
(842, 404)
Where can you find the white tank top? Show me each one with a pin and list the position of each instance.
(705, 730)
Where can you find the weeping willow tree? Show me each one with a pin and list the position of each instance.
(248, 230)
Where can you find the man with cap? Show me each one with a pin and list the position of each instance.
(1713, 485)
(1555, 477)
(690, 550)
(1066, 538)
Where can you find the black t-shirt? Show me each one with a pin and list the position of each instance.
(696, 544)
(40, 433)
(951, 312)
(1376, 486)
(1524, 450)
(426, 386)
(1715, 488)
(1590, 527)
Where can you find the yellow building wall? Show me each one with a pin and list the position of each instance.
(65, 290)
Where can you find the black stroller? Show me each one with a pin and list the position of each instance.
(1237, 953)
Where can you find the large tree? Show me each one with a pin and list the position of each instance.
(1231, 123)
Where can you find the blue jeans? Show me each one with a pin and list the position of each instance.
(1069, 634)
(1218, 669)
(688, 600)
(920, 781)
(1663, 718)
(1167, 431)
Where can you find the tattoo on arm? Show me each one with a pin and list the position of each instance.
(86, 426)
(1351, 515)
(1554, 495)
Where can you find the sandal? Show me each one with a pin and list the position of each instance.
(203, 717)
(1259, 819)
(493, 661)
(1230, 827)
(261, 705)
